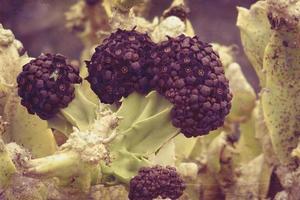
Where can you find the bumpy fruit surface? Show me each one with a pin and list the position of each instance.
(120, 66)
(191, 76)
(157, 181)
(46, 85)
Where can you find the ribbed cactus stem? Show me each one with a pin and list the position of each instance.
(281, 97)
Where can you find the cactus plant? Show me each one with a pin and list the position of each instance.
(153, 112)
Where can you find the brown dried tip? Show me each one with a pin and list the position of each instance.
(120, 66)
(191, 76)
(46, 84)
(154, 182)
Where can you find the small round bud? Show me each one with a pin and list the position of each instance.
(179, 11)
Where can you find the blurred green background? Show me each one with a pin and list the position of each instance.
(39, 24)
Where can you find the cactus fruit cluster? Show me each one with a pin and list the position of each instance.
(46, 85)
(186, 71)
(150, 183)
(191, 76)
(153, 112)
(121, 66)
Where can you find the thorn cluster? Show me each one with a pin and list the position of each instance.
(46, 84)
(154, 182)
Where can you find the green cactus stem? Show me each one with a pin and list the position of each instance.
(281, 97)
